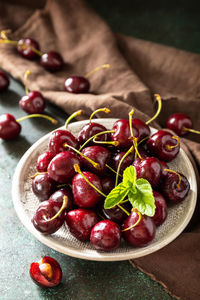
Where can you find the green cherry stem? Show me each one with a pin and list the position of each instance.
(137, 222)
(134, 139)
(104, 109)
(174, 172)
(72, 116)
(191, 130)
(159, 100)
(124, 210)
(26, 74)
(64, 205)
(168, 147)
(111, 169)
(36, 174)
(114, 143)
(94, 136)
(130, 121)
(105, 66)
(52, 120)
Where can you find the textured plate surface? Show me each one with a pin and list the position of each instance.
(25, 203)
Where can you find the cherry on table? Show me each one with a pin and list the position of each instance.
(77, 85)
(9, 127)
(52, 61)
(161, 209)
(26, 48)
(4, 81)
(181, 124)
(46, 272)
(33, 102)
(44, 160)
(43, 186)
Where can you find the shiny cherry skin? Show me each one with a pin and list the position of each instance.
(149, 169)
(143, 152)
(44, 160)
(170, 190)
(107, 183)
(126, 162)
(27, 52)
(46, 272)
(115, 214)
(59, 195)
(52, 61)
(33, 103)
(98, 154)
(77, 85)
(163, 167)
(43, 186)
(140, 235)
(45, 211)
(122, 133)
(143, 129)
(9, 127)
(177, 122)
(85, 196)
(4, 81)
(158, 144)
(105, 235)
(61, 167)
(80, 222)
(58, 139)
(90, 130)
(161, 209)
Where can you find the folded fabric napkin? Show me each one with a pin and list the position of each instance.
(138, 70)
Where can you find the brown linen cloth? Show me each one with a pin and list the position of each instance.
(138, 69)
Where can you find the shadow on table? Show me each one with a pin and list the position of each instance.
(16, 147)
(9, 98)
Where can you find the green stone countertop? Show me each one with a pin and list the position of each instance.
(178, 26)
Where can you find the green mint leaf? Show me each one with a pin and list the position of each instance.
(129, 177)
(143, 198)
(116, 196)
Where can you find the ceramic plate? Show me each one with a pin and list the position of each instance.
(25, 203)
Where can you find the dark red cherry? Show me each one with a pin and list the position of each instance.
(126, 162)
(143, 152)
(107, 184)
(80, 223)
(149, 169)
(58, 197)
(170, 189)
(44, 160)
(161, 144)
(27, 52)
(86, 196)
(142, 127)
(98, 154)
(161, 209)
(105, 235)
(52, 61)
(33, 103)
(45, 211)
(177, 122)
(90, 130)
(77, 85)
(140, 235)
(43, 186)
(59, 138)
(115, 214)
(4, 81)
(163, 167)
(46, 272)
(9, 127)
(122, 133)
(61, 167)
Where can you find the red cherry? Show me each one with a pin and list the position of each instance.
(9, 127)
(125, 163)
(58, 196)
(90, 130)
(27, 52)
(52, 61)
(46, 273)
(178, 122)
(44, 160)
(43, 186)
(107, 183)
(4, 81)
(77, 85)
(142, 127)
(161, 209)
(59, 138)
(32, 103)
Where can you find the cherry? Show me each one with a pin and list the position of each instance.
(80, 223)
(142, 127)
(105, 235)
(9, 127)
(149, 169)
(163, 145)
(181, 124)
(43, 186)
(107, 184)
(77, 85)
(59, 195)
(161, 209)
(44, 160)
(52, 61)
(140, 235)
(33, 103)
(46, 273)
(59, 138)
(85, 195)
(175, 187)
(61, 167)
(116, 214)
(91, 129)
(164, 166)
(128, 160)
(4, 81)
(24, 48)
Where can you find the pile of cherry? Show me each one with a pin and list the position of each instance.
(76, 174)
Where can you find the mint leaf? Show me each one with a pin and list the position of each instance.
(143, 198)
(116, 195)
(129, 177)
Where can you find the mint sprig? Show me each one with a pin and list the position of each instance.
(139, 192)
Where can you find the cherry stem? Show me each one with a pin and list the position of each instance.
(179, 176)
(72, 116)
(137, 222)
(26, 74)
(52, 120)
(191, 130)
(168, 147)
(94, 136)
(46, 270)
(64, 205)
(119, 166)
(63, 185)
(95, 165)
(144, 139)
(111, 169)
(124, 210)
(114, 143)
(136, 148)
(78, 170)
(105, 66)
(3, 34)
(159, 100)
(104, 109)
(36, 174)
(130, 121)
